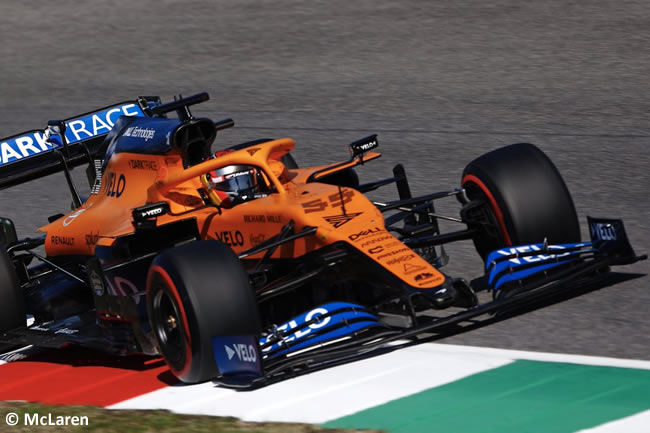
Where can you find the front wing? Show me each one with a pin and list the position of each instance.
(340, 332)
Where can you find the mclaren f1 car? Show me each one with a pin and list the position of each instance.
(241, 267)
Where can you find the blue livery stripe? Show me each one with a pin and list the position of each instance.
(78, 129)
(525, 273)
(519, 262)
(339, 319)
(509, 254)
(237, 355)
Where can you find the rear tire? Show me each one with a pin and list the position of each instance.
(12, 302)
(527, 196)
(197, 291)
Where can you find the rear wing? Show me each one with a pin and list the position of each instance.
(31, 155)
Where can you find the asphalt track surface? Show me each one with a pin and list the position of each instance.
(441, 82)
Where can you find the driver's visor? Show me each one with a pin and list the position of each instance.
(237, 181)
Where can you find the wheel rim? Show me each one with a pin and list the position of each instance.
(491, 236)
(168, 328)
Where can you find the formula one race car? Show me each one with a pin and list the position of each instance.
(242, 268)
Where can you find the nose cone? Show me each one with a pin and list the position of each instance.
(344, 214)
(389, 252)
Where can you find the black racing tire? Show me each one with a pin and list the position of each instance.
(527, 196)
(12, 301)
(197, 291)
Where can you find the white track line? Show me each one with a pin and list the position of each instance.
(542, 356)
(639, 423)
(327, 394)
(343, 390)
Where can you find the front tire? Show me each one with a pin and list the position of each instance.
(527, 196)
(197, 291)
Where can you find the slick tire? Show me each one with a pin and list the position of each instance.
(197, 291)
(12, 302)
(527, 196)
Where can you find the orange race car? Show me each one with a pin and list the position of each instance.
(241, 267)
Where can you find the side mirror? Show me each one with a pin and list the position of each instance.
(7, 231)
(363, 145)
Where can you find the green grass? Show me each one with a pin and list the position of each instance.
(143, 421)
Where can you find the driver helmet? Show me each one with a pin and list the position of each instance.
(234, 184)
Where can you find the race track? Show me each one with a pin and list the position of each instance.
(440, 82)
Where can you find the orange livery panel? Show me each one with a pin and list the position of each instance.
(341, 214)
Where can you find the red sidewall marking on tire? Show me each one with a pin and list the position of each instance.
(497, 210)
(186, 325)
